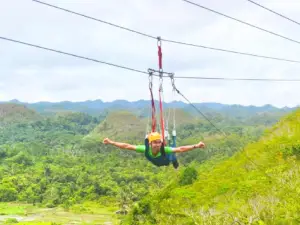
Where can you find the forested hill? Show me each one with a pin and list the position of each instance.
(57, 159)
(259, 185)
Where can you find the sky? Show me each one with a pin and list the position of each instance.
(31, 75)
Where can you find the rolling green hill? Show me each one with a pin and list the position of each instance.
(126, 126)
(121, 126)
(259, 185)
(10, 112)
(58, 160)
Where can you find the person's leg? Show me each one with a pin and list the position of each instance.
(175, 163)
(173, 159)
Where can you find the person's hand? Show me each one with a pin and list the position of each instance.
(200, 145)
(106, 141)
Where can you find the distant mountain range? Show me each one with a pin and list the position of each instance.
(142, 107)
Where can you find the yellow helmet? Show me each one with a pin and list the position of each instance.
(154, 136)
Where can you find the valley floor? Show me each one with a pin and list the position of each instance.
(11, 213)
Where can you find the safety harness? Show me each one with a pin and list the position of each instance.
(164, 159)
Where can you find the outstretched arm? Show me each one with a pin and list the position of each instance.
(188, 147)
(119, 144)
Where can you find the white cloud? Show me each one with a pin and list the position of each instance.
(31, 75)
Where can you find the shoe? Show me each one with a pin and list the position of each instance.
(175, 164)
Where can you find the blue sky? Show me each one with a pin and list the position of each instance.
(32, 75)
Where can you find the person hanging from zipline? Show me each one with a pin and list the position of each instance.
(154, 149)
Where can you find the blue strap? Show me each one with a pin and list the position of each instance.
(173, 141)
(172, 156)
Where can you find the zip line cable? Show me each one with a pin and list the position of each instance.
(240, 21)
(270, 10)
(167, 40)
(200, 112)
(230, 51)
(140, 71)
(92, 18)
(176, 89)
(70, 54)
(237, 79)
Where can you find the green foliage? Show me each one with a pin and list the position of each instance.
(52, 163)
(258, 185)
(188, 176)
(7, 193)
(59, 161)
(11, 221)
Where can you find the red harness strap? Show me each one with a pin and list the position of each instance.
(159, 57)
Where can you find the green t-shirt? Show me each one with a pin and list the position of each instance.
(142, 149)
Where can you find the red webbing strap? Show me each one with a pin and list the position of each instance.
(159, 53)
(159, 57)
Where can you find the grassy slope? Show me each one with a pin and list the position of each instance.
(120, 125)
(126, 126)
(10, 112)
(259, 185)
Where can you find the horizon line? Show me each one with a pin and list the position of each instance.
(145, 100)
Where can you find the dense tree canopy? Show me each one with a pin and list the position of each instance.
(59, 160)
